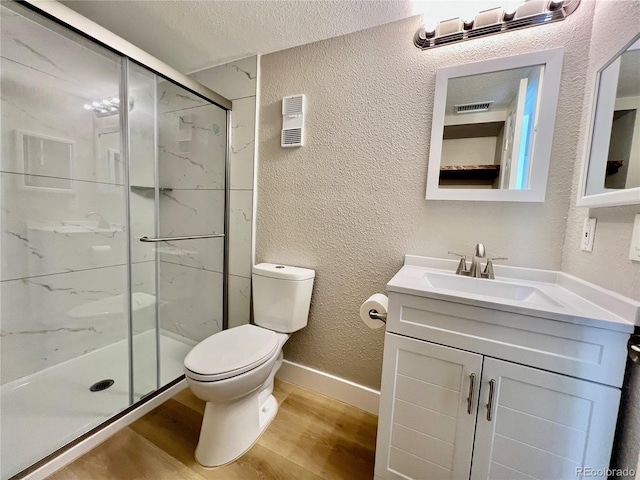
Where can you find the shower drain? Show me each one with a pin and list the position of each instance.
(101, 385)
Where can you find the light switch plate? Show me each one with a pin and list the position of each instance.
(634, 251)
(588, 234)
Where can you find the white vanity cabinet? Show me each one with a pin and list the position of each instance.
(541, 424)
(476, 393)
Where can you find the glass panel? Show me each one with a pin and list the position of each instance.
(142, 200)
(63, 242)
(191, 167)
(489, 129)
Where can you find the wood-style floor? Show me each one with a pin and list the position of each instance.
(312, 437)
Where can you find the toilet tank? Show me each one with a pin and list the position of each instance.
(281, 296)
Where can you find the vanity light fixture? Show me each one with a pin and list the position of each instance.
(492, 21)
(105, 107)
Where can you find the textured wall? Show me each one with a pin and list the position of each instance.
(614, 25)
(351, 202)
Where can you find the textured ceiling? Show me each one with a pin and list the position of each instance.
(191, 35)
(499, 87)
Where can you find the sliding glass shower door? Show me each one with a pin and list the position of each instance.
(192, 144)
(177, 191)
(105, 168)
(63, 244)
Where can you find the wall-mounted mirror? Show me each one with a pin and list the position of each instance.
(611, 169)
(493, 128)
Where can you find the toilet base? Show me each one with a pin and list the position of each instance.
(228, 431)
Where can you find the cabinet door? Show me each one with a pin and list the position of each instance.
(427, 415)
(541, 425)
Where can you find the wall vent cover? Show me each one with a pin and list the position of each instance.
(292, 137)
(293, 108)
(473, 107)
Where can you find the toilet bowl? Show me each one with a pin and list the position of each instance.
(233, 370)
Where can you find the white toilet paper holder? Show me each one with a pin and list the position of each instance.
(373, 313)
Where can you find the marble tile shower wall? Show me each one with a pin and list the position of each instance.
(191, 169)
(237, 82)
(56, 258)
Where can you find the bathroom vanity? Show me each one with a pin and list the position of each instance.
(512, 378)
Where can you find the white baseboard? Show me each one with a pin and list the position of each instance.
(351, 393)
(87, 444)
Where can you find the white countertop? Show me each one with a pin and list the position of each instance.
(563, 297)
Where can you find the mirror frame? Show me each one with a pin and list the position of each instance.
(552, 59)
(630, 196)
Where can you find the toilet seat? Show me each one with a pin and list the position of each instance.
(230, 353)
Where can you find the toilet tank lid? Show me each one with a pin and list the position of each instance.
(285, 272)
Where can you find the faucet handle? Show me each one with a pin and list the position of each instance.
(462, 266)
(488, 268)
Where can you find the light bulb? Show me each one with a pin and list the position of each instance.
(115, 100)
(510, 7)
(114, 109)
(97, 104)
(86, 106)
(429, 24)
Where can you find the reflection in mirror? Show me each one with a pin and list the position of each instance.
(615, 151)
(489, 129)
(492, 128)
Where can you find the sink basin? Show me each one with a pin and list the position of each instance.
(547, 294)
(488, 288)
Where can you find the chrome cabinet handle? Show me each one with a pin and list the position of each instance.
(492, 384)
(634, 348)
(472, 380)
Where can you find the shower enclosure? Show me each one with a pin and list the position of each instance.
(107, 172)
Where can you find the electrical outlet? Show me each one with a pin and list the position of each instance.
(588, 234)
(634, 251)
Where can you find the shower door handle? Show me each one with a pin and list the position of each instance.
(175, 239)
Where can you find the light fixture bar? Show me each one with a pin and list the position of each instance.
(494, 21)
(106, 107)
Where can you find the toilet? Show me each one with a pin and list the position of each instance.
(233, 370)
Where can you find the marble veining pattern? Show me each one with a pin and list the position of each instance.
(240, 224)
(40, 326)
(40, 84)
(47, 233)
(191, 150)
(242, 149)
(237, 81)
(194, 301)
(205, 254)
(59, 258)
(172, 97)
(191, 212)
(232, 80)
(239, 300)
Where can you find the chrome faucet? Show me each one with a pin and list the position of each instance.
(476, 266)
(102, 223)
(475, 270)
